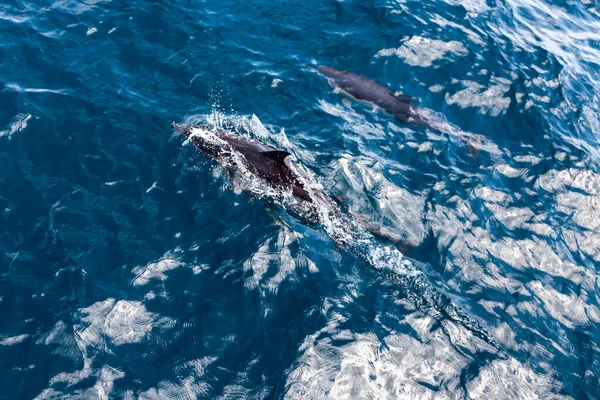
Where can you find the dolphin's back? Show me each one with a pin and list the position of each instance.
(268, 163)
(253, 152)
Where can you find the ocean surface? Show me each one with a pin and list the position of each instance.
(132, 267)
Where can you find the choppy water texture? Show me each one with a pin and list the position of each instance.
(131, 267)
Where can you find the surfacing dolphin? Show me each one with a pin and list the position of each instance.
(264, 161)
(238, 153)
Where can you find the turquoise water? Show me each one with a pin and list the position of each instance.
(131, 267)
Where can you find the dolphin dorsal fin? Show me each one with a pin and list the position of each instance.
(404, 98)
(276, 155)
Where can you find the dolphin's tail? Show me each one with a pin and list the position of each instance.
(313, 67)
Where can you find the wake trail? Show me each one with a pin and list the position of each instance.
(346, 232)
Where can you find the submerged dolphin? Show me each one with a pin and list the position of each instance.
(264, 161)
(365, 89)
(399, 105)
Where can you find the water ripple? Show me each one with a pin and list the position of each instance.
(132, 268)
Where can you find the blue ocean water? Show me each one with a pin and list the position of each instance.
(131, 267)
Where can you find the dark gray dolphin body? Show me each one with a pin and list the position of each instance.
(365, 89)
(400, 106)
(262, 160)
